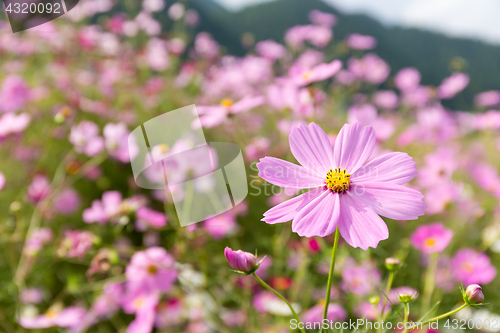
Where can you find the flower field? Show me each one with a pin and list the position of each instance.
(368, 198)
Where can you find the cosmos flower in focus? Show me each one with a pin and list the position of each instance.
(347, 194)
(432, 238)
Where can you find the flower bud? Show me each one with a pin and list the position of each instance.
(474, 294)
(407, 297)
(392, 264)
(374, 300)
(242, 262)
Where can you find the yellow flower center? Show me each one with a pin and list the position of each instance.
(338, 180)
(152, 269)
(306, 75)
(430, 242)
(227, 102)
(138, 302)
(51, 314)
(163, 148)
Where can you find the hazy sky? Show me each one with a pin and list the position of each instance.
(462, 18)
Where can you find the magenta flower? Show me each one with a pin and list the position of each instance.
(151, 270)
(102, 211)
(474, 294)
(407, 79)
(432, 238)
(361, 42)
(472, 267)
(69, 317)
(371, 68)
(315, 314)
(118, 144)
(11, 123)
(31, 296)
(303, 76)
(346, 194)
(39, 238)
(221, 225)
(385, 99)
(39, 189)
(241, 261)
(321, 18)
(76, 243)
(2, 180)
(67, 201)
(452, 85)
(14, 93)
(144, 307)
(271, 50)
(360, 279)
(85, 137)
(148, 218)
(487, 98)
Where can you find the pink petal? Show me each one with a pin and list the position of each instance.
(286, 174)
(320, 217)
(311, 148)
(391, 200)
(286, 210)
(247, 103)
(325, 71)
(353, 146)
(398, 168)
(359, 225)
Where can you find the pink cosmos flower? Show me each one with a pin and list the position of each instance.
(211, 116)
(315, 314)
(385, 99)
(205, 45)
(103, 210)
(222, 225)
(67, 202)
(371, 68)
(323, 19)
(169, 313)
(85, 137)
(11, 123)
(360, 279)
(258, 147)
(157, 55)
(233, 318)
(240, 260)
(69, 317)
(118, 144)
(148, 218)
(361, 42)
(370, 311)
(39, 189)
(407, 79)
(432, 238)
(452, 85)
(31, 296)
(438, 197)
(144, 307)
(394, 293)
(487, 98)
(470, 266)
(151, 270)
(303, 76)
(14, 93)
(39, 238)
(2, 180)
(439, 167)
(76, 243)
(346, 195)
(270, 49)
(317, 35)
(367, 115)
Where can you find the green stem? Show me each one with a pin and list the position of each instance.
(430, 280)
(268, 287)
(441, 316)
(407, 313)
(387, 291)
(330, 275)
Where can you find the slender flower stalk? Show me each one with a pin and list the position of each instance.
(387, 290)
(444, 315)
(268, 287)
(407, 313)
(330, 275)
(430, 281)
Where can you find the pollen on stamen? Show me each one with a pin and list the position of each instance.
(338, 180)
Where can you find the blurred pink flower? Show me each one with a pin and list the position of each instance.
(371, 68)
(102, 211)
(69, 318)
(334, 202)
(489, 120)
(321, 18)
(157, 55)
(366, 114)
(394, 293)
(205, 45)
(452, 85)
(176, 11)
(385, 99)
(169, 313)
(317, 35)
(109, 301)
(222, 225)
(153, 5)
(76, 243)
(270, 49)
(233, 318)
(417, 97)
(85, 137)
(432, 238)
(39, 189)
(211, 116)
(14, 93)
(2, 180)
(144, 307)
(371, 312)
(360, 279)
(257, 148)
(67, 201)
(11, 123)
(303, 76)
(192, 18)
(118, 144)
(487, 98)
(30, 296)
(438, 197)
(36, 241)
(407, 79)
(314, 315)
(470, 266)
(151, 270)
(147, 218)
(439, 167)
(361, 42)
